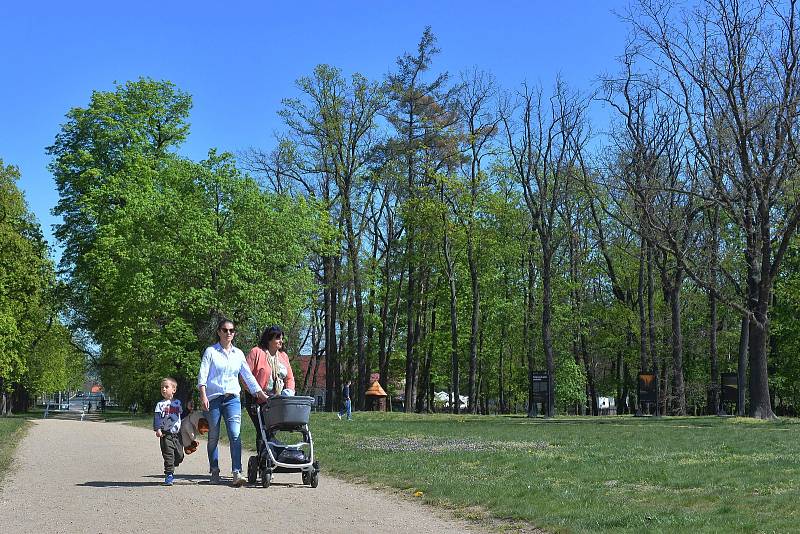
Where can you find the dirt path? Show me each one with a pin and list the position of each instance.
(71, 476)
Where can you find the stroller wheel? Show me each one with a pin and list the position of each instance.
(266, 478)
(306, 478)
(314, 479)
(252, 469)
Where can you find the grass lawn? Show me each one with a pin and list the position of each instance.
(609, 474)
(12, 429)
(574, 474)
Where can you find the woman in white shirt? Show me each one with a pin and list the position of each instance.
(218, 382)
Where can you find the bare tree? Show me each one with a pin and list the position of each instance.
(543, 140)
(734, 65)
(479, 121)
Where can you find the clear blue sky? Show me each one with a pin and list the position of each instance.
(239, 59)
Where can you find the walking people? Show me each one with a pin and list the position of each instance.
(167, 425)
(346, 406)
(270, 365)
(218, 382)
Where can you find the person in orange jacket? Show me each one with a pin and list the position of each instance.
(272, 369)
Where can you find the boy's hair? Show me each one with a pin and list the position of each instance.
(170, 380)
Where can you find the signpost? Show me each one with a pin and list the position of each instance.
(730, 390)
(646, 391)
(540, 381)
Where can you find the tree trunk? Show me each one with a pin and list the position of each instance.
(408, 402)
(679, 393)
(741, 369)
(760, 401)
(425, 373)
(476, 307)
(501, 369)
(620, 378)
(455, 387)
(360, 334)
(589, 370)
(652, 328)
(547, 334)
(643, 331)
(713, 354)
(330, 292)
(3, 399)
(530, 346)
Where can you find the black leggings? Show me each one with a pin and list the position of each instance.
(252, 411)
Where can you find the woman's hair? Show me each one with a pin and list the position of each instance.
(221, 323)
(269, 334)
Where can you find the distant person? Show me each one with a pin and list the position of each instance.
(218, 382)
(167, 425)
(272, 370)
(102, 404)
(346, 405)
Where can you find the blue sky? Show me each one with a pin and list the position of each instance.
(239, 59)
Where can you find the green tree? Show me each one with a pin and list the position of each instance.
(167, 245)
(36, 353)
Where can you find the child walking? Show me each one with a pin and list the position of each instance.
(167, 425)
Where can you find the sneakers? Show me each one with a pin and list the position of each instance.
(238, 479)
(339, 416)
(215, 476)
(169, 479)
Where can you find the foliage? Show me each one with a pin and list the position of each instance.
(570, 385)
(167, 245)
(429, 228)
(36, 353)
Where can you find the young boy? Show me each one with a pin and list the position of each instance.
(167, 425)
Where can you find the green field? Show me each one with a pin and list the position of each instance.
(12, 430)
(573, 474)
(607, 474)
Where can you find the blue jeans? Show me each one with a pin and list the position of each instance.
(346, 410)
(231, 410)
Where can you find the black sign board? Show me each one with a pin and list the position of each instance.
(647, 388)
(541, 390)
(730, 387)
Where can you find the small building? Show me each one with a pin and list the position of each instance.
(310, 380)
(376, 398)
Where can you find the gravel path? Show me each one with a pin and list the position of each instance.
(72, 476)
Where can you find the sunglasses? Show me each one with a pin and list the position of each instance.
(228, 330)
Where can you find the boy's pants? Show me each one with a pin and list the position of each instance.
(172, 451)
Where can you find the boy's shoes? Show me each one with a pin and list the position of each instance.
(238, 479)
(339, 416)
(169, 479)
(215, 476)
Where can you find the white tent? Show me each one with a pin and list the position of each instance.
(441, 397)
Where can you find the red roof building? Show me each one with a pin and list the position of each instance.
(307, 364)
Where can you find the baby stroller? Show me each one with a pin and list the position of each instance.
(286, 414)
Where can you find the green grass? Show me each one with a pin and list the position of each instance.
(573, 474)
(12, 430)
(610, 474)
